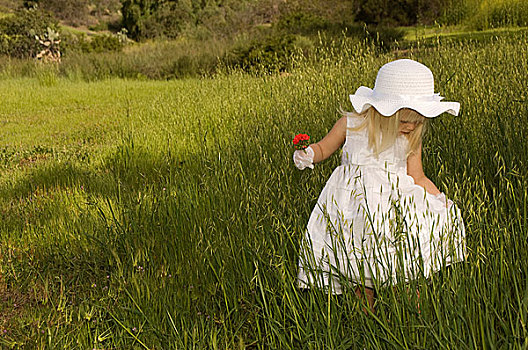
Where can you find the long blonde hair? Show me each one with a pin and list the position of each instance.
(382, 131)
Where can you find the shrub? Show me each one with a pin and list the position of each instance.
(72, 12)
(302, 23)
(18, 31)
(399, 12)
(269, 53)
(98, 43)
(106, 42)
(149, 19)
(101, 8)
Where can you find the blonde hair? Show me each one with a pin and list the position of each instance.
(382, 131)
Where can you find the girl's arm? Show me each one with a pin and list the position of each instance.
(331, 142)
(415, 170)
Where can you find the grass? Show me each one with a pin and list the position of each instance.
(78, 31)
(457, 32)
(168, 214)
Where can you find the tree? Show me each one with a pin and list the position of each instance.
(147, 18)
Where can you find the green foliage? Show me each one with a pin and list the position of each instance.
(500, 13)
(94, 44)
(302, 23)
(381, 36)
(270, 53)
(148, 19)
(72, 12)
(330, 11)
(101, 8)
(305, 23)
(485, 14)
(47, 74)
(104, 43)
(10, 5)
(399, 12)
(479, 14)
(18, 31)
(161, 61)
(31, 4)
(457, 11)
(76, 12)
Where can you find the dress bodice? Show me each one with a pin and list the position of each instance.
(357, 152)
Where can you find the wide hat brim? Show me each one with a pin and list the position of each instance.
(387, 105)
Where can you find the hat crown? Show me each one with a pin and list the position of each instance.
(405, 77)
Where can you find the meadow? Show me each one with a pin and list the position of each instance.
(168, 214)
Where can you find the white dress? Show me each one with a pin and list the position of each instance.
(372, 225)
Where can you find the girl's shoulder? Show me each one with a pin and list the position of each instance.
(353, 120)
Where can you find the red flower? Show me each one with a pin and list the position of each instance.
(300, 141)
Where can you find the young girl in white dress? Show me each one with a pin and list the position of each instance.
(379, 220)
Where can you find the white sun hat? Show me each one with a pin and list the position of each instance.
(403, 84)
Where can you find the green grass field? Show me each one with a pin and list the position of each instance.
(167, 215)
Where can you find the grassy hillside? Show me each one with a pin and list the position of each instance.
(168, 214)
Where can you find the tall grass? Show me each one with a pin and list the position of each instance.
(169, 214)
(500, 13)
(160, 60)
(485, 14)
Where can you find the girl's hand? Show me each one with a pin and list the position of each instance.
(304, 158)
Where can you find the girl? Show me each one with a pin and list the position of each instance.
(379, 219)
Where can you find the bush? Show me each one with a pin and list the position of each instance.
(17, 32)
(99, 43)
(302, 23)
(399, 12)
(149, 19)
(105, 42)
(269, 53)
(72, 12)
